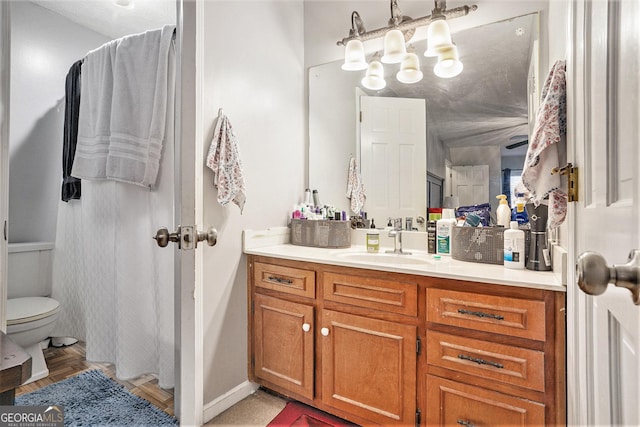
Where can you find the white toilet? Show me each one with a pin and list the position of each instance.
(31, 314)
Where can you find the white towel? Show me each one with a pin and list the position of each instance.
(94, 117)
(224, 160)
(547, 148)
(355, 188)
(135, 110)
(139, 108)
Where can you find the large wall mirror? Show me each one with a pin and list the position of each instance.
(480, 117)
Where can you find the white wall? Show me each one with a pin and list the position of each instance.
(254, 69)
(44, 45)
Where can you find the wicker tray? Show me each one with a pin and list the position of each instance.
(321, 234)
(482, 244)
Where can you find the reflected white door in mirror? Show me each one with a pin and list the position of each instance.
(394, 158)
(470, 184)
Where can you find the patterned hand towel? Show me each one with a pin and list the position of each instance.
(547, 149)
(355, 188)
(224, 160)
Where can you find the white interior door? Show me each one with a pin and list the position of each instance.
(470, 184)
(604, 331)
(393, 153)
(5, 68)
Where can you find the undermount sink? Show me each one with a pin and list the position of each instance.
(384, 258)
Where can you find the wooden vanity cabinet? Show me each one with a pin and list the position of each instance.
(339, 339)
(494, 359)
(380, 348)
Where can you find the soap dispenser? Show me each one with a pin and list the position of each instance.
(503, 213)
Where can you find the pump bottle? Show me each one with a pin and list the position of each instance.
(503, 213)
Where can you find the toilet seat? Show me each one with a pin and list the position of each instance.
(30, 309)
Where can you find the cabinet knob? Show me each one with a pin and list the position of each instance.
(306, 327)
(324, 332)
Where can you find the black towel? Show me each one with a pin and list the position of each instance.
(71, 185)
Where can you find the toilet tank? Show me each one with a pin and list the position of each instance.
(29, 269)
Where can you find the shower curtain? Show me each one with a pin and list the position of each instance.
(114, 284)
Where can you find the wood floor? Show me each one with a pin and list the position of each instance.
(65, 362)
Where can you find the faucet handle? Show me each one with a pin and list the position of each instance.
(397, 223)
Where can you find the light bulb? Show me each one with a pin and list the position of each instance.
(374, 78)
(354, 59)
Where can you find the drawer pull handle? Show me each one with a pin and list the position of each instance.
(465, 423)
(280, 280)
(480, 314)
(481, 361)
(306, 327)
(324, 332)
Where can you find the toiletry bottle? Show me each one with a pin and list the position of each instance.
(519, 213)
(431, 237)
(373, 224)
(514, 247)
(444, 231)
(373, 241)
(307, 197)
(503, 213)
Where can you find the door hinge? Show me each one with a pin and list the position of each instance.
(5, 229)
(418, 417)
(418, 345)
(360, 116)
(253, 306)
(572, 180)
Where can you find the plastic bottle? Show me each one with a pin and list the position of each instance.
(444, 232)
(519, 213)
(503, 213)
(514, 247)
(373, 241)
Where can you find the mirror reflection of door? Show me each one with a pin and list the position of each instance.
(470, 184)
(393, 156)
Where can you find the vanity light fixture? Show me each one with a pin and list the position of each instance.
(410, 69)
(374, 78)
(449, 64)
(399, 30)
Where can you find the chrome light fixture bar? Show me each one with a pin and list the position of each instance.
(403, 23)
(399, 31)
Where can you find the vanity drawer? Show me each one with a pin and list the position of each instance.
(371, 292)
(451, 404)
(289, 280)
(503, 363)
(501, 315)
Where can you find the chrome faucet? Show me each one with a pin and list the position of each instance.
(396, 233)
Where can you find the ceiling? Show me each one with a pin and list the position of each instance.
(108, 18)
(487, 104)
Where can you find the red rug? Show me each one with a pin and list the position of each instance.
(296, 414)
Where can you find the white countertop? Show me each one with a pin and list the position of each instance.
(273, 243)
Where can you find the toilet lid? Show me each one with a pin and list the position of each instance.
(29, 309)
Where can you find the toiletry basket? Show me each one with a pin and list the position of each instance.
(482, 244)
(321, 233)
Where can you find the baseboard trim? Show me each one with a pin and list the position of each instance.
(227, 400)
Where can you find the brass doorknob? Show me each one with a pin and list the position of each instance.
(594, 275)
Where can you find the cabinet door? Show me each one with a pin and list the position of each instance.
(283, 344)
(450, 404)
(369, 367)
